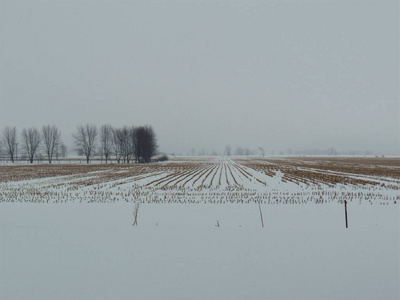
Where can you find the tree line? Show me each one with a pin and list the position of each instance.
(127, 143)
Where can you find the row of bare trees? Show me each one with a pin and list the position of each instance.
(242, 151)
(128, 144)
(33, 140)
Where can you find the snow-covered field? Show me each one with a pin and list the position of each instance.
(66, 231)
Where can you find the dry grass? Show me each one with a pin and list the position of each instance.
(202, 180)
(331, 171)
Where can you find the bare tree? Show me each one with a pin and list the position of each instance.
(128, 151)
(239, 151)
(228, 150)
(146, 143)
(117, 145)
(140, 136)
(32, 139)
(262, 151)
(10, 141)
(85, 139)
(106, 140)
(63, 150)
(51, 139)
(122, 143)
(123, 139)
(134, 143)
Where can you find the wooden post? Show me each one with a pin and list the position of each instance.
(135, 214)
(262, 221)
(345, 213)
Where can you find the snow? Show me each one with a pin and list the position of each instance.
(63, 239)
(92, 251)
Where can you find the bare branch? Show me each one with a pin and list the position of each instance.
(10, 141)
(32, 139)
(51, 139)
(85, 139)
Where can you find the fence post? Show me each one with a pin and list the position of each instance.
(261, 216)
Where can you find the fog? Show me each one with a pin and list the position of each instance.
(204, 74)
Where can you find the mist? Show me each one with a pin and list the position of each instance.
(206, 74)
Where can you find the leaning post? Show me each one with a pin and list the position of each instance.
(261, 216)
(345, 213)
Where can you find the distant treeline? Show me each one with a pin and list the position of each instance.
(127, 144)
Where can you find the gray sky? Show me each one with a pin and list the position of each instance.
(276, 74)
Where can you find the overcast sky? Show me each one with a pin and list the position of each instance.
(204, 74)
